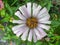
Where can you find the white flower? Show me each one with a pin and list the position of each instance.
(33, 22)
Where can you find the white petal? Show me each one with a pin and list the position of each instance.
(19, 21)
(19, 33)
(17, 27)
(36, 11)
(34, 6)
(41, 32)
(45, 22)
(44, 26)
(34, 37)
(29, 9)
(24, 36)
(43, 16)
(23, 10)
(20, 15)
(21, 30)
(16, 31)
(46, 18)
(43, 13)
(37, 34)
(30, 35)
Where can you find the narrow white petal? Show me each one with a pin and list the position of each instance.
(41, 35)
(17, 27)
(23, 10)
(20, 15)
(43, 13)
(37, 34)
(21, 30)
(46, 18)
(15, 31)
(19, 33)
(29, 9)
(24, 36)
(30, 35)
(39, 38)
(19, 21)
(42, 32)
(34, 37)
(45, 22)
(34, 6)
(44, 26)
(36, 11)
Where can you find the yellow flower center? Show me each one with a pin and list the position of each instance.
(32, 22)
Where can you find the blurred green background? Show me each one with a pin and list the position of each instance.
(7, 15)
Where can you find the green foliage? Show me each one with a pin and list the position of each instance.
(10, 8)
(39, 43)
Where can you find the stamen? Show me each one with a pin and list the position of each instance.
(32, 22)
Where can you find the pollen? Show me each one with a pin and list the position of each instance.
(32, 22)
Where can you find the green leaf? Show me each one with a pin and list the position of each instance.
(49, 5)
(8, 9)
(3, 13)
(55, 23)
(57, 42)
(51, 44)
(39, 43)
(29, 43)
(44, 43)
(57, 30)
(6, 18)
(14, 2)
(6, 38)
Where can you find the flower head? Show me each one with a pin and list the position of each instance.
(33, 22)
(1, 5)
